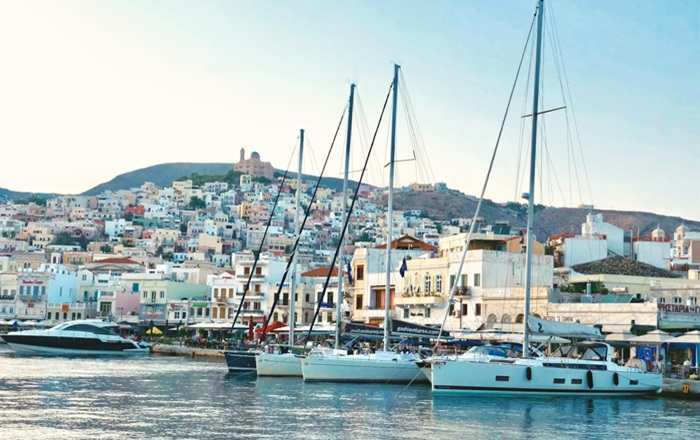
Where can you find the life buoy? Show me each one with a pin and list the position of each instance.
(589, 379)
(528, 373)
(616, 379)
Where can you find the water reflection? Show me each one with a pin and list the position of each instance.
(164, 397)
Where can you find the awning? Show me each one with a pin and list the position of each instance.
(653, 337)
(216, 326)
(511, 337)
(274, 325)
(688, 338)
(619, 337)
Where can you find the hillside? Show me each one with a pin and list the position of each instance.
(161, 174)
(7, 194)
(437, 205)
(548, 220)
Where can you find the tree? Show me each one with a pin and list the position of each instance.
(197, 203)
(65, 239)
(106, 249)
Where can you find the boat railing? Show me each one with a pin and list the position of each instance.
(687, 372)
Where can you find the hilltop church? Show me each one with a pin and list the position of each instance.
(254, 166)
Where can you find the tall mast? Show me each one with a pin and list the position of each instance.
(339, 300)
(531, 193)
(293, 283)
(390, 211)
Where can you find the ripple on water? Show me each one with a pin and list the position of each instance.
(167, 397)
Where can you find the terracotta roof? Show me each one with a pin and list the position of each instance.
(117, 260)
(408, 242)
(320, 272)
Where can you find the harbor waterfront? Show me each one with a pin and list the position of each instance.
(178, 397)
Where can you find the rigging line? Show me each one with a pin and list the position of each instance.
(521, 136)
(301, 227)
(419, 133)
(458, 278)
(262, 241)
(364, 134)
(348, 214)
(553, 170)
(571, 103)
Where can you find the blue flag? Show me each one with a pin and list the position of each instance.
(403, 268)
(349, 271)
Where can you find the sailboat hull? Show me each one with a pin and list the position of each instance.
(361, 369)
(278, 364)
(513, 378)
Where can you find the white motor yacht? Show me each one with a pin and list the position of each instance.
(88, 336)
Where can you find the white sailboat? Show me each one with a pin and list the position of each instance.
(281, 360)
(586, 368)
(383, 366)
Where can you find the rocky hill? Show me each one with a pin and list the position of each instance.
(548, 220)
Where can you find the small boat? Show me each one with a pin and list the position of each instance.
(241, 360)
(378, 367)
(82, 337)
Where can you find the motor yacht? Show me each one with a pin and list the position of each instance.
(88, 336)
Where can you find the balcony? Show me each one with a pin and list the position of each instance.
(432, 300)
(464, 292)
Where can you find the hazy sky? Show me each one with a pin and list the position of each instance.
(92, 89)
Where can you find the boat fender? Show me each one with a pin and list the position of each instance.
(616, 379)
(528, 373)
(589, 379)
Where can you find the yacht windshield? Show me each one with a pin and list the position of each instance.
(89, 329)
(488, 350)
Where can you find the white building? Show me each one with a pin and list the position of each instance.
(614, 236)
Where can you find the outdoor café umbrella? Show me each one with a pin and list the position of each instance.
(154, 331)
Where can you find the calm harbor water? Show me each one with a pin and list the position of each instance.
(172, 397)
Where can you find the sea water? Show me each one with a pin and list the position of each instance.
(156, 397)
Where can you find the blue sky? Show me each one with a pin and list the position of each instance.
(100, 88)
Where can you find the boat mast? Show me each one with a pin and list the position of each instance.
(293, 283)
(531, 190)
(339, 300)
(390, 211)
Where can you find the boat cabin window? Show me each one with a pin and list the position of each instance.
(89, 328)
(585, 352)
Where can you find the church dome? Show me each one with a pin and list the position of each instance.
(255, 155)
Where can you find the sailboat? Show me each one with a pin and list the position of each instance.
(585, 368)
(280, 360)
(382, 366)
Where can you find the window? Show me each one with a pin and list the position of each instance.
(214, 313)
(246, 270)
(477, 279)
(438, 283)
(330, 297)
(257, 288)
(477, 310)
(426, 284)
(285, 299)
(177, 315)
(358, 302)
(559, 380)
(502, 378)
(677, 300)
(134, 287)
(576, 381)
(452, 280)
(694, 300)
(465, 280)
(162, 294)
(427, 313)
(662, 300)
(360, 275)
(65, 315)
(184, 315)
(258, 271)
(153, 296)
(406, 313)
(634, 382)
(144, 296)
(465, 309)
(307, 298)
(451, 310)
